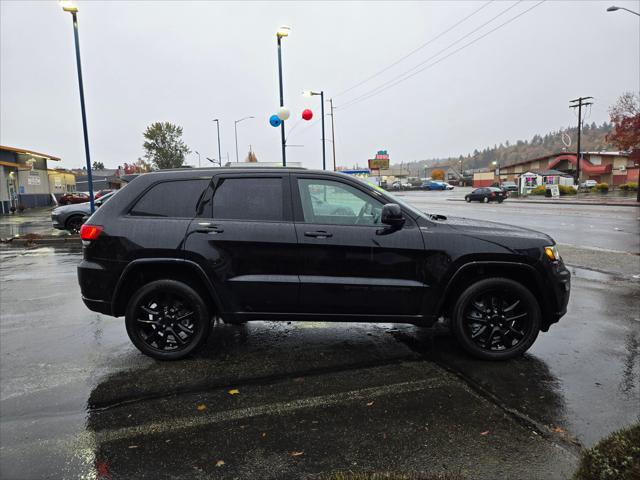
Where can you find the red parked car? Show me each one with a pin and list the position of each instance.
(100, 193)
(69, 198)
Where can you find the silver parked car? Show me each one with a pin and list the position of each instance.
(71, 217)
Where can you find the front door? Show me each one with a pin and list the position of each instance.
(245, 240)
(349, 265)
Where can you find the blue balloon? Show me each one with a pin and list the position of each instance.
(275, 121)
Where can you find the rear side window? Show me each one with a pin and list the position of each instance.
(177, 198)
(248, 199)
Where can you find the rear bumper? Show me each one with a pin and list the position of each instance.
(100, 306)
(97, 283)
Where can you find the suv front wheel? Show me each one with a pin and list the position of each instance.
(167, 320)
(496, 319)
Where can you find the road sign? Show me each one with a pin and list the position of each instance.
(378, 164)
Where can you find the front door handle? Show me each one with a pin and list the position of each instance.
(209, 228)
(318, 234)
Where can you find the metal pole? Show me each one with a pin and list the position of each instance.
(235, 126)
(324, 160)
(333, 135)
(284, 152)
(219, 154)
(84, 115)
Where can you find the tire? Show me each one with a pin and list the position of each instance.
(467, 199)
(74, 223)
(486, 306)
(501, 200)
(485, 200)
(153, 320)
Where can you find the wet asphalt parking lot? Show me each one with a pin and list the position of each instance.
(77, 400)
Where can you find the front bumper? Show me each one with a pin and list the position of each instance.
(55, 220)
(560, 283)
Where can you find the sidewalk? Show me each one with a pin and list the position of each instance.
(580, 199)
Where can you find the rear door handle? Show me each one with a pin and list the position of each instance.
(318, 234)
(205, 227)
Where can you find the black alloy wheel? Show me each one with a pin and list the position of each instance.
(74, 223)
(167, 320)
(496, 319)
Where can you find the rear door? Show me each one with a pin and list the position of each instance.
(347, 265)
(245, 240)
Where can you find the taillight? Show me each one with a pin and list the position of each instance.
(493, 194)
(90, 232)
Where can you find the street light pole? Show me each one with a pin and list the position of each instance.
(69, 7)
(235, 126)
(613, 8)
(309, 93)
(218, 128)
(282, 32)
(333, 134)
(199, 164)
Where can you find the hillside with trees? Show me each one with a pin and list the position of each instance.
(594, 138)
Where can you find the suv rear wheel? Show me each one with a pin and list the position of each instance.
(496, 319)
(167, 320)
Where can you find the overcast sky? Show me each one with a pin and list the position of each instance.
(190, 62)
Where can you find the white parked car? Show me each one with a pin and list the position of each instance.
(589, 184)
(448, 186)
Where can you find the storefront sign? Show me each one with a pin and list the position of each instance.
(33, 179)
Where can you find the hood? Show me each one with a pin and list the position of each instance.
(74, 207)
(510, 236)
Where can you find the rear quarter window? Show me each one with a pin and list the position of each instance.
(176, 198)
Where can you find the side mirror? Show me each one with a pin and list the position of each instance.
(392, 215)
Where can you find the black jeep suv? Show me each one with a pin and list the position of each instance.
(176, 248)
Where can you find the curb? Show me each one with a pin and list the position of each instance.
(30, 242)
(561, 202)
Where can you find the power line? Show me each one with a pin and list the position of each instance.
(380, 87)
(408, 75)
(413, 51)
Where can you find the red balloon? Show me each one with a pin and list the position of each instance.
(307, 114)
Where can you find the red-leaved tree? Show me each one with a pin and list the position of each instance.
(625, 116)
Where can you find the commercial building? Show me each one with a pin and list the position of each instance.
(613, 168)
(25, 179)
(106, 179)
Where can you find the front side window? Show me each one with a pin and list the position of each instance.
(334, 203)
(177, 198)
(259, 199)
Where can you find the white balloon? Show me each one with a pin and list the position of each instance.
(283, 113)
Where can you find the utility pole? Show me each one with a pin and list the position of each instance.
(333, 133)
(572, 104)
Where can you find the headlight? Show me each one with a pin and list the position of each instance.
(552, 253)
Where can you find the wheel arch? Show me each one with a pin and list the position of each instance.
(474, 271)
(142, 271)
